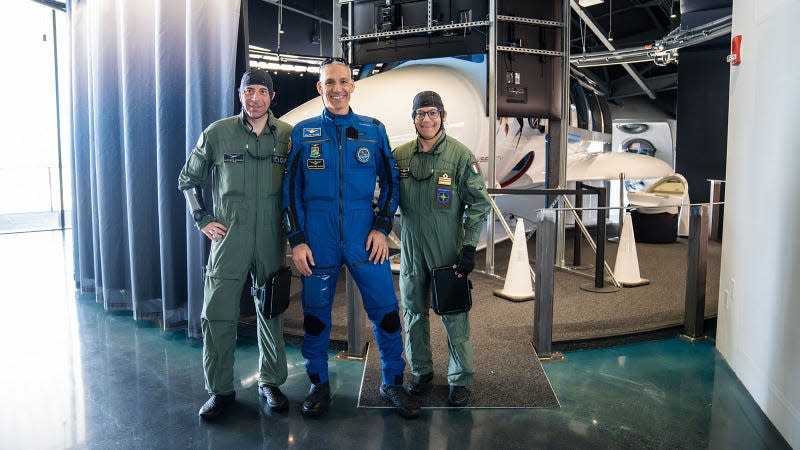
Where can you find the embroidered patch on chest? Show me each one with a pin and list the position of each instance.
(363, 155)
(403, 172)
(312, 132)
(315, 164)
(443, 196)
(278, 159)
(445, 180)
(232, 158)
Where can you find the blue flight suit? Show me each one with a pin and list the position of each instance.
(328, 195)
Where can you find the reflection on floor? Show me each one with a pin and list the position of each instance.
(78, 377)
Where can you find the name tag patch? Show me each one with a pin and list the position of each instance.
(230, 158)
(404, 172)
(315, 164)
(278, 159)
(312, 132)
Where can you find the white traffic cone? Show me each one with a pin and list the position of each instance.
(518, 286)
(626, 267)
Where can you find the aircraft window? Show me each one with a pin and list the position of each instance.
(519, 170)
(640, 146)
(633, 128)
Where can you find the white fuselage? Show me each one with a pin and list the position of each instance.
(462, 85)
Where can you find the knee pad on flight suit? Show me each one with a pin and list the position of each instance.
(390, 322)
(312, 325)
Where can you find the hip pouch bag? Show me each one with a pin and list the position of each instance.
(450, 294)
(273, 296)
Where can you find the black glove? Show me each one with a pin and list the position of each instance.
(466, 260)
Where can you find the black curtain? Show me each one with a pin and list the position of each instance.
(147, 77)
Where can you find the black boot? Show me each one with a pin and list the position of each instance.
(458, 396)
(421, 384)
(397, 396)
(276, 400)
(317, 400)
(216, 405)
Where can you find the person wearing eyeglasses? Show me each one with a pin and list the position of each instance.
(245, 155)
(443, 204)
(332, 219)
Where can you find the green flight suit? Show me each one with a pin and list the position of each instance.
(247, 176)
(443, 203)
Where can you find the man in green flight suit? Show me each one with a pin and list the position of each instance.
(246, 156)
(444, 204)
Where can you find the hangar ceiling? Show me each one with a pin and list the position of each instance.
(621, 24)
(595, 25)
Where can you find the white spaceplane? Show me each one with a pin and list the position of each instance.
(520, 143)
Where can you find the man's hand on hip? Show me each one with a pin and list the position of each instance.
(215, 231)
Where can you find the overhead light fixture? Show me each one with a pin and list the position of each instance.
(672, 14)
(610, 38)
(585, 3)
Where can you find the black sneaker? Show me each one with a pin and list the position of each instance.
(421, 384)
(216, 405)
(317, 400)
(397, 396)
(458, 396)
(276, 400)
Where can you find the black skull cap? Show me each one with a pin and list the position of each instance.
(426, 98)
(257, 76)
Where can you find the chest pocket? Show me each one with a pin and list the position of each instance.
(444, 196)
(408, 200)
(319, 166)
(363, 155)
(230, 171)
(277, 165)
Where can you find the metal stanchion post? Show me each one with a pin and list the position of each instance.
(600, 253)
(356, 346)
(715, 211)
(545, 260)
(576, 235)
(694, 315)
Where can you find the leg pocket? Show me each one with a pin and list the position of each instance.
(319, 289)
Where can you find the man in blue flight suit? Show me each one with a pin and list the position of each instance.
(328, 195)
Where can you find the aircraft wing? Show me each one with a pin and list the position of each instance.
(607, 166)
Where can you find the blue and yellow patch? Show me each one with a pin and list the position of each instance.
(312, 132)
(443, 196)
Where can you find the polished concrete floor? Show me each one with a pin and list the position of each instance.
(75, 376)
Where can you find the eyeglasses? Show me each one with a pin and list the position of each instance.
(327, 61)
(433, 114)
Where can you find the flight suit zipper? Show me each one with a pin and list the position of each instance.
(341, 181)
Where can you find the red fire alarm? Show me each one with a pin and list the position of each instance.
(735, 58)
